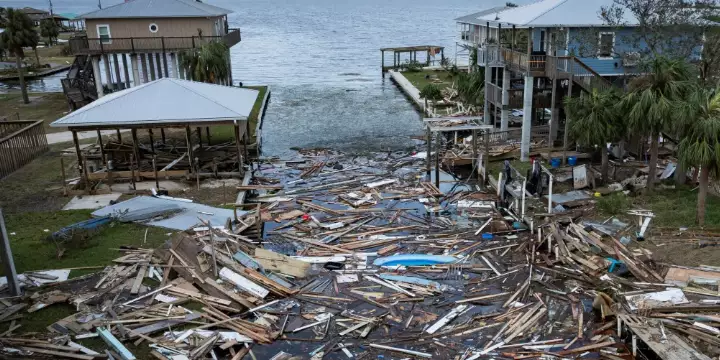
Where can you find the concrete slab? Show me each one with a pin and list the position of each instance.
(91, 201)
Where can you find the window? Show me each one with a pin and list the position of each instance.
(153, 28)
(104, 34)
(606, 43)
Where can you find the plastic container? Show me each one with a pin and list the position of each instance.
(555, 162)
(572, 160)
(487, 236)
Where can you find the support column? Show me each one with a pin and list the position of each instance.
(554, 113)
(136, 74)
(505, 112)
(7, 260)
(159, 66)
(230, 76)
(237, 144)
(488, 75)
(181, 69)
(98, 76)
(174, 70)
(108, 73)
(118, 78)
(126, 70)
(144, 66)
(151, 65)
(527, 118)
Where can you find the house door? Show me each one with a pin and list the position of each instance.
(542, 40)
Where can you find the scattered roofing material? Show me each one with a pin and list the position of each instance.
(178, 215)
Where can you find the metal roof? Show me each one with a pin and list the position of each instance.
(548, 13)
(157, 9)
(165, 101)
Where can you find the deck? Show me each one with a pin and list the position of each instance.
(96, 46)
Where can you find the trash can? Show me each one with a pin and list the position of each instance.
(555, 162)
(572, 160)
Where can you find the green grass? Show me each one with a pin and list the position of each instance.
(47, 107)
(226, 133)
(32, 250)
(613, 204)
(418, 78)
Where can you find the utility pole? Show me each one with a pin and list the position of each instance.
(52, 16)
(100, 4)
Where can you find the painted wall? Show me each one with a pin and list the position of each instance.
(167, 27)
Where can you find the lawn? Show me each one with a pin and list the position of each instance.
(422, 78)
(47, 107)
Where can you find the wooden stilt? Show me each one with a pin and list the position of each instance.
(162, 134)
(199, 135)
(188, 138)
(152, 141)
(207, 134)
(136, 145)
(102, 147)
(237, 144)
(157, 181)
(428, 159)
(62, 172)
(119, 136)
(437, 159)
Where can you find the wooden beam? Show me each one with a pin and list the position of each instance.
(144, 174)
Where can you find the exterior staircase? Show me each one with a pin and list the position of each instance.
(79, 85)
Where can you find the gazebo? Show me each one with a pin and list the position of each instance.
(163, 104)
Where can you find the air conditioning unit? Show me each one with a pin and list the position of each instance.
(631, 59)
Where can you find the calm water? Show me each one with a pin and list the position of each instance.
(322, 61)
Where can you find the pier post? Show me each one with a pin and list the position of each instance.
(135, 72)
(527, 118)
(151, 65)
(108, 72)
(159, 66)
(98, 76)
(144, 66)
(505, 112)
(118, 78)
(126, 70)
(174, 70)
(554, 113)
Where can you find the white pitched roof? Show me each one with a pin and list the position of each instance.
(157, 9)
(164, 101)
(553, 13)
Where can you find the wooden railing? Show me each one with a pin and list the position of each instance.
(96, 46)
(20, 146)
(493, 93)
(515, 59)
(514, 135)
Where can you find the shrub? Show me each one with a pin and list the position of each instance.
(613, 204)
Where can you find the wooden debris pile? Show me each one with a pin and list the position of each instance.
(358, 257)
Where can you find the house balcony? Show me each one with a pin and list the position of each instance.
(96, 46)
(541, 65)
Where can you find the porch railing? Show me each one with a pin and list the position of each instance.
(95, 46)
(22, 142)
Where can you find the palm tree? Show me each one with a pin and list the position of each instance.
(49, 29)
(700, 144)
(650, 104)
(18, 33)
(209, 63)
(471, 88)
(595, 121)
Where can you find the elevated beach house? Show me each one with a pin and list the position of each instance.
(535, 55)
(138, 41)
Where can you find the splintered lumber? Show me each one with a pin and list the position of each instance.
(235, 297)
(58, 353)
(400, 350)
(273, 261)
(486, 297)
(243, 283)
(138, 280)
(446, 319)
(588, 347)
(115, 344)
(200, 296)
(146, 295)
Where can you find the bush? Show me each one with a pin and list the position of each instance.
(66, 51)
(613, 204)
(412, 66)
(431, 92)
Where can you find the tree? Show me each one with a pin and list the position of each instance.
(430, 92)
(595, 121)
(19, 33)
(210, 63)
(3, 19)
(471, 88)
(49, 30)
(700, 145)
(651, 103)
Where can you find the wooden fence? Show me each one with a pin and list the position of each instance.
(20, 143)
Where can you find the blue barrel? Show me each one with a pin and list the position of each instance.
(572, 160)
(555, 162)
